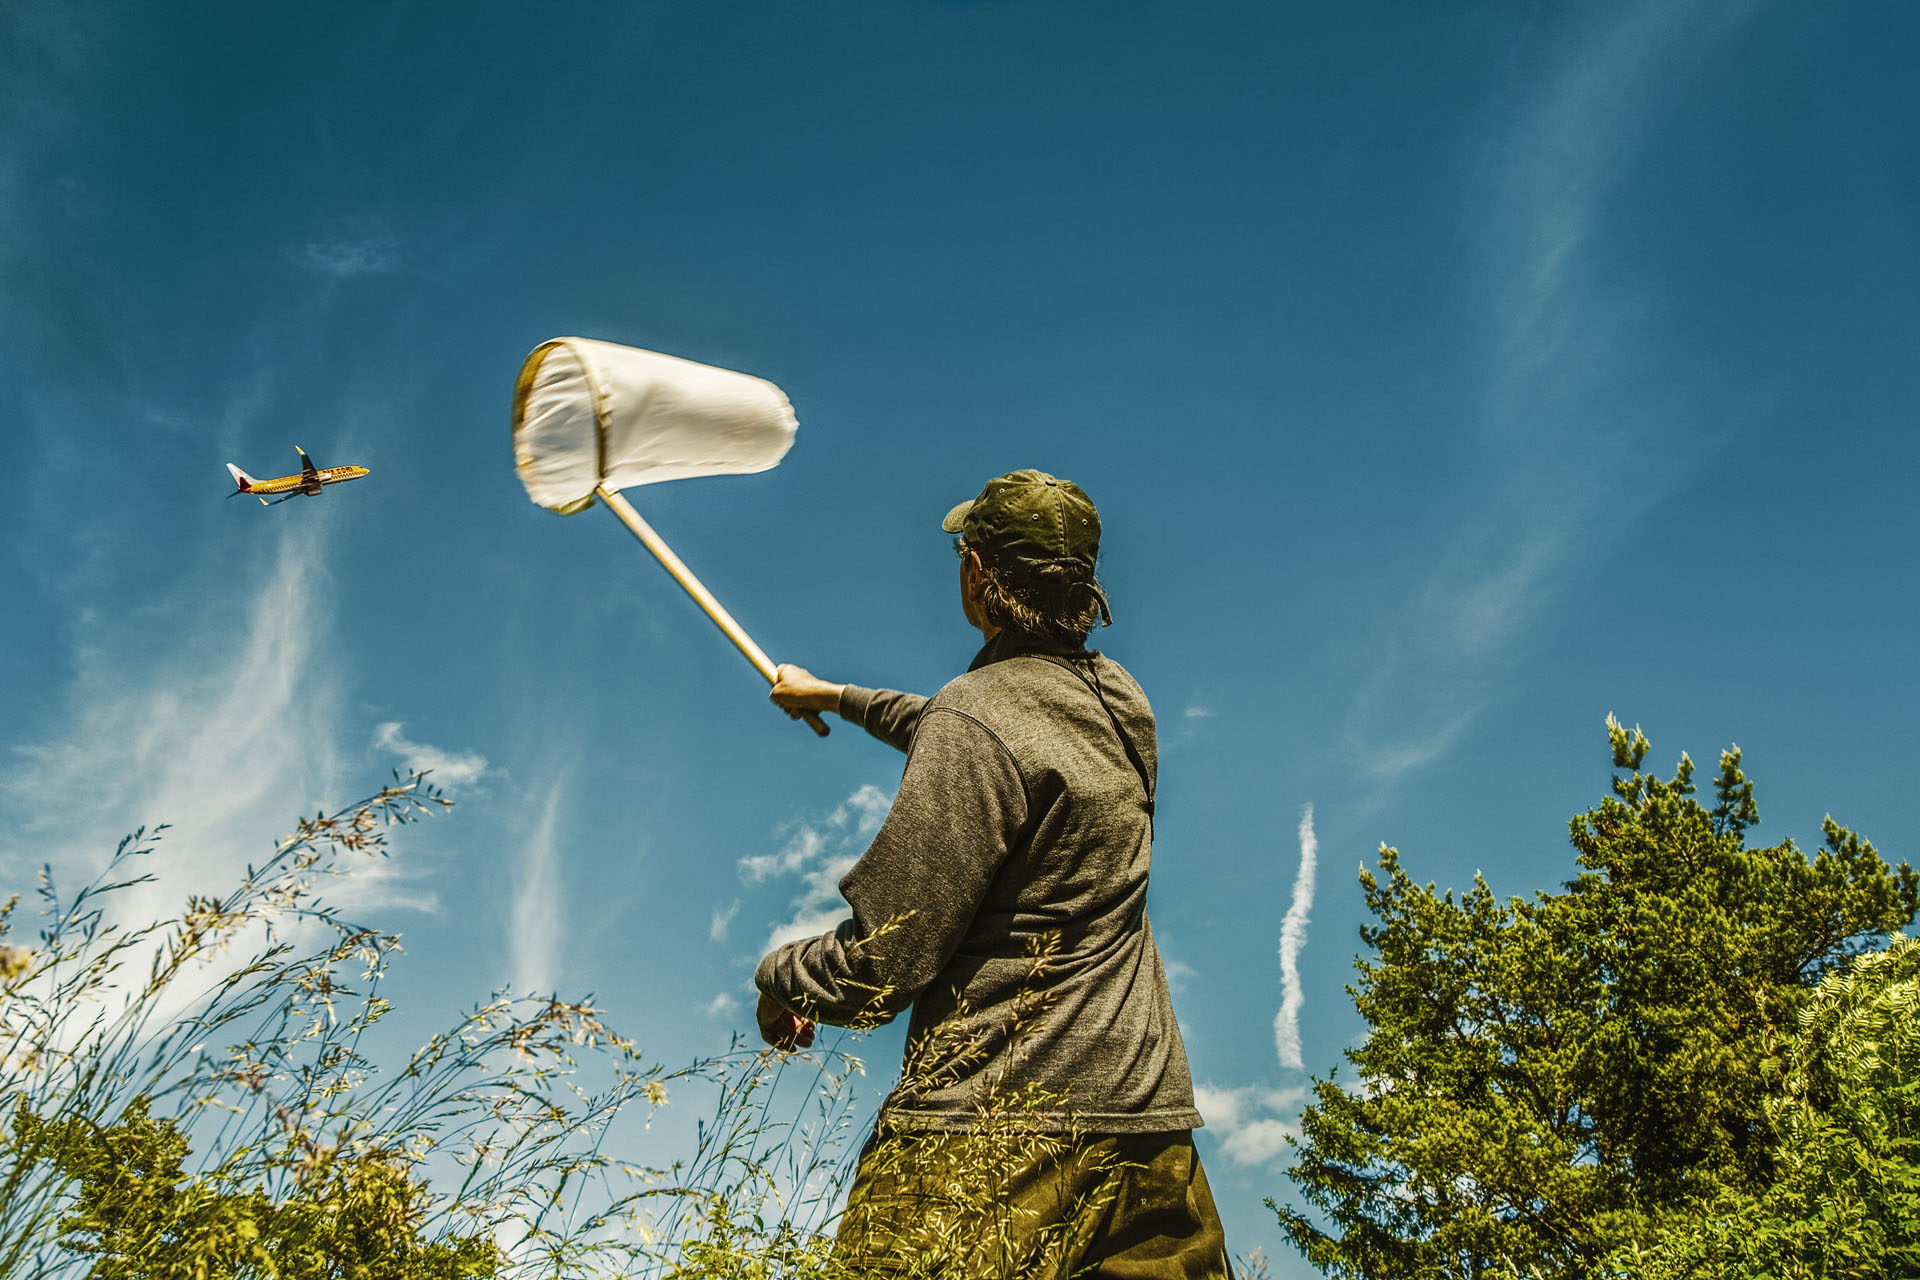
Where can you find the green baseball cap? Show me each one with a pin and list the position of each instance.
(1030, 517)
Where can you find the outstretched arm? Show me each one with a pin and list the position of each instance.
(884, 713)
(916, 890)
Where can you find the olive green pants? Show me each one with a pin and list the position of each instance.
(1012, 1204)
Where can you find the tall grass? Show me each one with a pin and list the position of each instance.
(241, 1025)
(197, 1098)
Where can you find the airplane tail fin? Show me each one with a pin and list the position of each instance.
(240, 479)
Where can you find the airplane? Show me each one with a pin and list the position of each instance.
(309, 481)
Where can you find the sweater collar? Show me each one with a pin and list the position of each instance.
(1013, 644)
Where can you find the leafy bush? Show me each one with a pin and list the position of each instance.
(1845, 1199)
(142, 1215)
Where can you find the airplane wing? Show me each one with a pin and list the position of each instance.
(307, 471)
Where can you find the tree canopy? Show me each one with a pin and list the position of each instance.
(1550, 1084)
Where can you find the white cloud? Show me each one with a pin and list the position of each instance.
(819, 855)
(449, 768)
(722, 917)
(1259, 1141)
(724, 1005)
(227, 734)
(817, 910)
(868, 807)
(534, 932)
(1253, 1122)
(343, 259)
(1197, 712)
(1293, 937)
(1179, 973)
(1233, 1107)
(800, 851)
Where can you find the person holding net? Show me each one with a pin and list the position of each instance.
(1003, 902)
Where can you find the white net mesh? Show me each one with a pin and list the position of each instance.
(589, 413)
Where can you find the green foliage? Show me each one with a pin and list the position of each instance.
(1547, 1081)
(1845, 1201)
(142, 1217)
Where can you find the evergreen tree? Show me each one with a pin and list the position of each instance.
(1548, 1082)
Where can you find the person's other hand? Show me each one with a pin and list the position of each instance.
(781, 1027)
(797, 690)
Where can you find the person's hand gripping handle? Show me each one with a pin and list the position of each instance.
(782, 1028)
(803, 695)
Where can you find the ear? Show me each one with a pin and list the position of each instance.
(971, 570)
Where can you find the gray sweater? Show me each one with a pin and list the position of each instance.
(1022, 829)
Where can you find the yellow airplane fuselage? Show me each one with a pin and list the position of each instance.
(310, 480)
(287, 484)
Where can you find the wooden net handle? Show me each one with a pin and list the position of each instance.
(618, 504)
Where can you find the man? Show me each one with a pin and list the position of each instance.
(1004, 900)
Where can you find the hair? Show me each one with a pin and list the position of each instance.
(1055, 603)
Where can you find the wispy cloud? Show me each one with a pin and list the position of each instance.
(1573, 441)
(724, 1005)
(722, 917)
(819, 854)
(1252, 1122)
(1293, 937)
(449, 768)
(1189, 725)
(534, 930)
(344, 259)
(219, 720)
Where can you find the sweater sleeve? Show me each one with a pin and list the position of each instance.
(886, 714)
(915, 891)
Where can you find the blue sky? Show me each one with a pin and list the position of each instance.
(1448, 377)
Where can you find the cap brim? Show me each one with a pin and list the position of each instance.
(956, 520)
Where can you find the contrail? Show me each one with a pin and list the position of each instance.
(1293, 936)
(534, 937)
